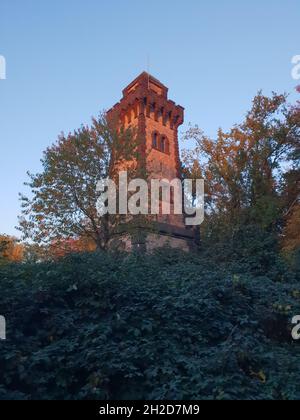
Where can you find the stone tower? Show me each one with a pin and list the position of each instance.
(146, 108)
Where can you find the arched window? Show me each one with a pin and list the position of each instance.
(152, 109)
(155, 140)
(160, 143)
(167, 146)
(164, 144)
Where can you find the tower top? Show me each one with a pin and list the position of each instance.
(152, 96)
(148, 82)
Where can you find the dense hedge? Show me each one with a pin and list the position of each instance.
(102, 326)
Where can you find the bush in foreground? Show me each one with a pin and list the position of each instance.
(166, 326)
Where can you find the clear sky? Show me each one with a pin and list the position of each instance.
(69, 59)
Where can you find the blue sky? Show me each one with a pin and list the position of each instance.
(69, 59)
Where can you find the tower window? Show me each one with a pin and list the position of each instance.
(164, 144)
(160, 143)
(155, 140)
(152, 106)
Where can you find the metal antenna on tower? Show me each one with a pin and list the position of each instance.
(148, 71)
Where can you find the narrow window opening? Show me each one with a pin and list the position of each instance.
(163, 144)
(155, 140)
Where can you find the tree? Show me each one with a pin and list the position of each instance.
(291, 194)
(63, 197)
(291, 233)
(10, 249)
(62, 248)
(244, 168)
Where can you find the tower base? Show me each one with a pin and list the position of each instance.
(148, 241)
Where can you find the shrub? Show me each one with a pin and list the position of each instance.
(163, 326)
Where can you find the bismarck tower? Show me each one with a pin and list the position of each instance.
(145, 107)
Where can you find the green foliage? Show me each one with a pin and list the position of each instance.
(247, 247)
(113, 326)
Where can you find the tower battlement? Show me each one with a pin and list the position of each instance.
(146, 107)
(147, 94)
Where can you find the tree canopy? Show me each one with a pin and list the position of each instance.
(252, 172)
(62, 205)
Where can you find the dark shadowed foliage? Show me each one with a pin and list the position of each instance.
(107, 326)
